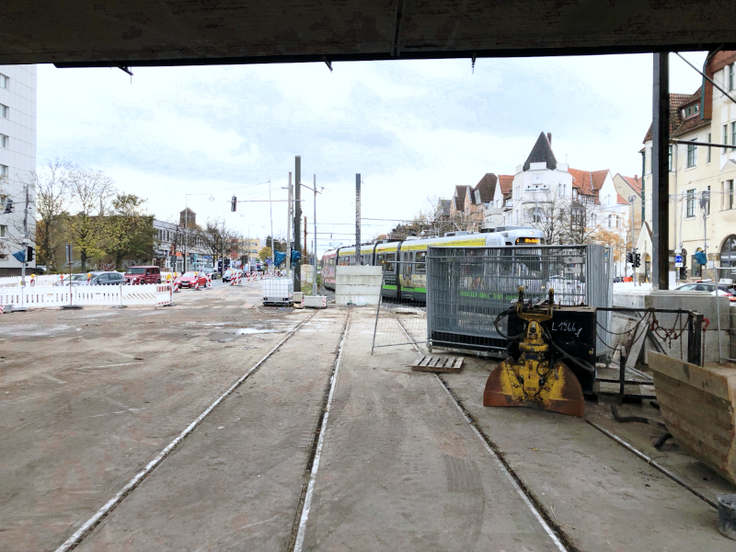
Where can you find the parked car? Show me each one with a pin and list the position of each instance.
(209, 270)
(230, 273)
(76, 279)
(189, 279)
(143, 275)
(710, 287)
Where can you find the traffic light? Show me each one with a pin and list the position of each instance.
(637, 260)
(29, 254)
(234, 204)
(630, 257)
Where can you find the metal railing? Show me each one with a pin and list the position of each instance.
(467, 288)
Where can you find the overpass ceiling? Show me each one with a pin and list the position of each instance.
(179, 32)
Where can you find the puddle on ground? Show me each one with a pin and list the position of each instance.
(248, 331)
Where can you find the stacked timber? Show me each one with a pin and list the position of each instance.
(698, 405)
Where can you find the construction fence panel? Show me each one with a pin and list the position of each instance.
(401, 314)
(468, 288)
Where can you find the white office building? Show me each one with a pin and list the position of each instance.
(17, 160)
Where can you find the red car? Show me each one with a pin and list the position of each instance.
(189, 279)
(143, 275)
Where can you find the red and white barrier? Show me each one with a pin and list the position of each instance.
(151, 295)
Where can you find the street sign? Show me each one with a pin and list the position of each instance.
(678, 261)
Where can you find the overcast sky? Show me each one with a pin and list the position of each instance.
(413, 130)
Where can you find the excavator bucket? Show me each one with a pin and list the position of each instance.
(559, 392)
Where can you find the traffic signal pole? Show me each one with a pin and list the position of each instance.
(26, 241)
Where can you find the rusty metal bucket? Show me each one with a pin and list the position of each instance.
(513, 384)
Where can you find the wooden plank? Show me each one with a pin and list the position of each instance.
(681, 393)
(716, 437)
(438, 364)
(710, 415)
(716, 381)
(418, 360)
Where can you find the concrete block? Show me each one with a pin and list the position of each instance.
(358, 285)
(315, 301)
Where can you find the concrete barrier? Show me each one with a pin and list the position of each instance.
(701, 302)
(358, 285)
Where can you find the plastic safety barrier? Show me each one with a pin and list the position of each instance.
(153, 295)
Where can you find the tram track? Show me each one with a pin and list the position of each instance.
(553, 530)
(85, 529)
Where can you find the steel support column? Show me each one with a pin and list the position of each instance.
(660, 172)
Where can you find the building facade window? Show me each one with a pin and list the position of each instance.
(3, 231)
(4, 111)
(733, 133)
(707, 155)
(669, 157)
(725, 137)
(610, 223)
(4, 141)
(4, 81)
(728, 194)
(731, 77)
(707, 201)
(690, 203)
(3, 171)
(728, 251)
(692, 155)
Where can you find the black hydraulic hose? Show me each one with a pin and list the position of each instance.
(584, 365)
(500, 317)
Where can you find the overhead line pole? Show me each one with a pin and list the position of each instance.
(297, 221)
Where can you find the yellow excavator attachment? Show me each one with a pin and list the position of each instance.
(531, 381)
(513, 385)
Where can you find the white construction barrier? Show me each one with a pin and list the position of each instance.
(150, 295)
(358, 285)
(39, 280)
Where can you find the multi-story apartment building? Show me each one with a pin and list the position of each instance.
(17, 162)
(701, 179)
(568, 205)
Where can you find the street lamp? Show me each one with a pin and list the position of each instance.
(186, 226)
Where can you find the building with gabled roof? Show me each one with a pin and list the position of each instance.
(702, 206)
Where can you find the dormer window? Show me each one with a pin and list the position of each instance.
(691, 111)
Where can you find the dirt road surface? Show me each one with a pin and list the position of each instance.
(89, 398)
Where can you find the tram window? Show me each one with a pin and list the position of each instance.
(421, 258)
(390, 262)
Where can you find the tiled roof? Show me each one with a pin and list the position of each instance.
(541, 153)
(721, 59)
(587, 182)
(506, 182)
(678, 126)
(620, 200)
(487, 187)
(634, 183)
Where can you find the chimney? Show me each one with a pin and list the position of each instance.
(549, 138)
(636, 178)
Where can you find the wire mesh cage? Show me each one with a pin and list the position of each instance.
(467, 288)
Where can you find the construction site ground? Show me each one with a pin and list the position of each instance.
(90, 398)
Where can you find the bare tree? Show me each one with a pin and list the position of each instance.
(51, 201)
(91, 194)
(217, 238)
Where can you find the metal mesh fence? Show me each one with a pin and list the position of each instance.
(401, 315)
(467, 288)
